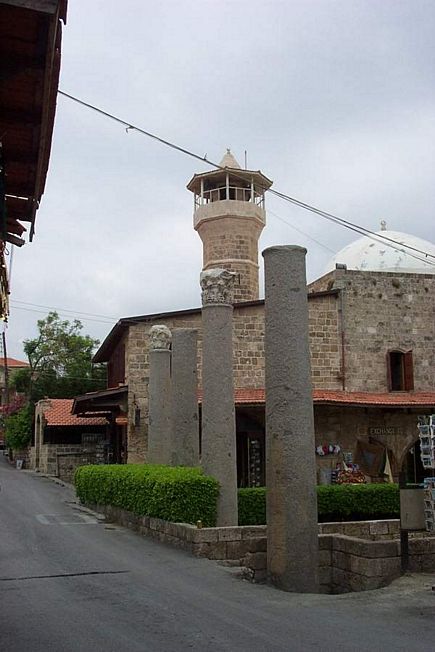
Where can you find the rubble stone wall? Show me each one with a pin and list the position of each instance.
(248, 343)
(61, 460)
(353, 556)
(383, 311)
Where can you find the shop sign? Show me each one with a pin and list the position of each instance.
(385, 430)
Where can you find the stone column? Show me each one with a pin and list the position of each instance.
(292, 531)
(185, 441)
(159, 397)
(218, 411)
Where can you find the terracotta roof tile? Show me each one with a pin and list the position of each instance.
(385, 399)
(12, 362)
(58, 413)
(328, 396)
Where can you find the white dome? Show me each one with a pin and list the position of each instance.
(368, 255)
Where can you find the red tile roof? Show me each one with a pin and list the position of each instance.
(336, 397)
(12, 362)
(384, 399)
(58, 413)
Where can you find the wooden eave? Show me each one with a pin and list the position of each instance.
(30, 42)
(219, 175)
(105, 401)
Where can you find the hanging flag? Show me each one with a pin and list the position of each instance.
(387, 468)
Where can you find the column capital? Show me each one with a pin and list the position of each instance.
(217, 286)
(160, 338)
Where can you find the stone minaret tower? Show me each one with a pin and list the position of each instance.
(229, 215)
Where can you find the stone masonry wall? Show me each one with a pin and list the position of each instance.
(62, 459)
(232, 243)
(248, 342)
(384, 311)
(354, 556)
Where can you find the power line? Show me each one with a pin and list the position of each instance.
(292, 226)
(377, 237)
(61, 377)
(76, 312)
(329, 216)
(43, 312)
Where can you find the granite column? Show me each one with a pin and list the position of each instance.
(185, 442)
(292, 531)
(159, 397)
(218, 410)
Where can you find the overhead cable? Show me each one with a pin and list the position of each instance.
(329, 216)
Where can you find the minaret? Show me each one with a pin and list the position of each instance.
(229, 215)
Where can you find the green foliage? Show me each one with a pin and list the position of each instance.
(19, 428)
(358, 502)
(60, 361)
(176, 494)
(334, 503)
(252, 506)
(181, 494)
(20, 381)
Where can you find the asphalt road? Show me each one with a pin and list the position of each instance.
(71, 582)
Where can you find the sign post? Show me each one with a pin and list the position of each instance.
(411, 516)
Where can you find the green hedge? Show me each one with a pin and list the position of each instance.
(181, 494)
(252, 506)
(358, 502)
(176, 494)
(334, 503)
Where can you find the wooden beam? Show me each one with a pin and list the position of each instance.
(18, 242)
(43, 6)
(11, 117)
(12, 66)
(13, 226)
(20, 156)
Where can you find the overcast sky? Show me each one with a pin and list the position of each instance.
(333, 100)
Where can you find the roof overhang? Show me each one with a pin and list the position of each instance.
(258, 178)
(399, 400)
(106, 401)
(30, 40)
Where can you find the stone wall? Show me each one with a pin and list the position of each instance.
(354, 319)
(61, 460)
(23, 454)
(232, 243)
(248, 343)
(353, 556)
(384, 311)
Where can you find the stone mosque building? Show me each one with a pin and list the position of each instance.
(372, 335)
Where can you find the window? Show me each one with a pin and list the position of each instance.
(116, 367)
(400, 371)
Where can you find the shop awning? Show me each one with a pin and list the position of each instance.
(112, 400)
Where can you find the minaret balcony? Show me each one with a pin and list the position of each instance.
(232, 193)
(212, 206)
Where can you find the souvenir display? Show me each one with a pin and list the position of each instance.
(426, 430)
(429, 503)
(328, 449)
(351, 475)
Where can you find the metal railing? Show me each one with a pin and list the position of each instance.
(233, 193)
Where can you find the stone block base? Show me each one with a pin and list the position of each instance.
(346, 563)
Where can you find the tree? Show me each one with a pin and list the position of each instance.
(60, 360)
(19, 428)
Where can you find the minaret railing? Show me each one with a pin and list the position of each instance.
(233, 193)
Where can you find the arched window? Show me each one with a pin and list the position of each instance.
(400, 371)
